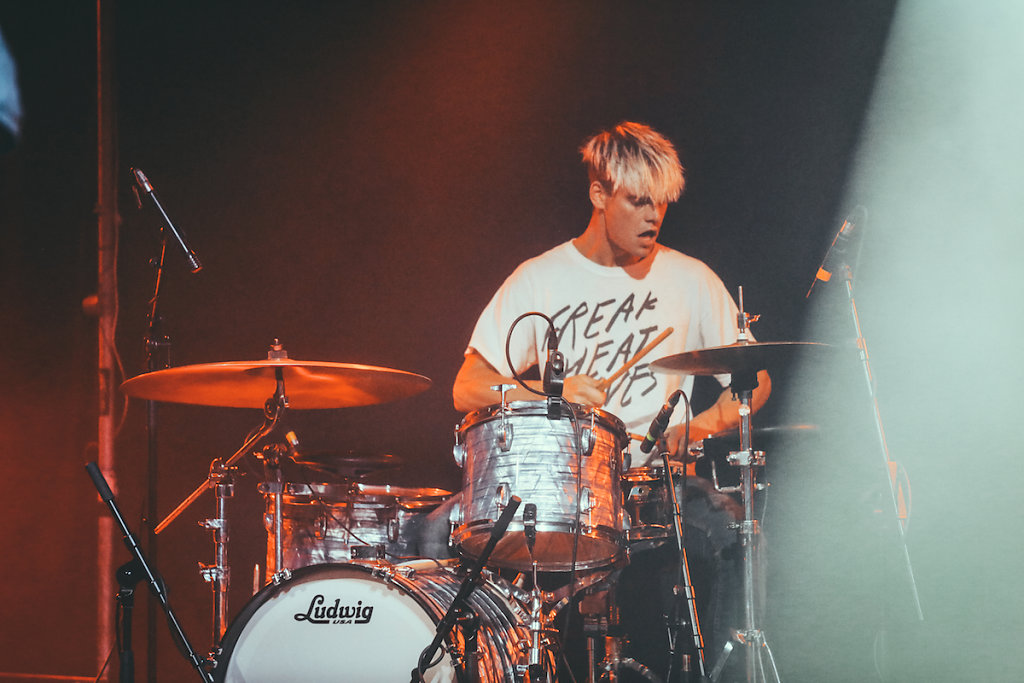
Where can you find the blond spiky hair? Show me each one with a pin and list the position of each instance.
(638, 159)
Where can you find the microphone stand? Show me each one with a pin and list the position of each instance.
(891, 499)
(158, 357)
(460, 604)
(684, 586)
(128, 576)
(141, 564)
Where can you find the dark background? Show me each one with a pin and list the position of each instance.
(358, 178)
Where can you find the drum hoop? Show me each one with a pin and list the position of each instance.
(300, 493)
(405, 495)
(532, 408)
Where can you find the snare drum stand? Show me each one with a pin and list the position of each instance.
(750, 637)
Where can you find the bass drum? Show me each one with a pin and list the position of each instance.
(367, 623)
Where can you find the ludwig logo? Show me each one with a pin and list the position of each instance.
(320, 613)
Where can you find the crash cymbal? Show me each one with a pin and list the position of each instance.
(248, 384)
(739, 357)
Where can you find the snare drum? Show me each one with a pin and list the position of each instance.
(518, 451)
(338, 523)
(367, 623)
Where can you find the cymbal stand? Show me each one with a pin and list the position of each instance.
(273, 410)
(751, 638)
(218, 574)
(274, 487)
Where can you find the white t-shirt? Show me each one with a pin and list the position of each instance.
(604, 316)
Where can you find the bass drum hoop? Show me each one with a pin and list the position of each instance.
(493, 615)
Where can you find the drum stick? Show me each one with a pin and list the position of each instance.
(605, 383)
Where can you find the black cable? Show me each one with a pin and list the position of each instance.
(508, 346)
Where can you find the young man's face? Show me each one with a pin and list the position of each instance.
(632, 225)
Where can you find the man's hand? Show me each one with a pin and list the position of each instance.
(584, 390)
(674, 441)
(473, 384)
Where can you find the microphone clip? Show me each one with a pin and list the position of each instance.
(553, 382)
(554, 375)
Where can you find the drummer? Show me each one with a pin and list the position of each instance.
(609, 292)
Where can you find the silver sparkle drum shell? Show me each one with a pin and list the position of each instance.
(366, 624)
(519, 451)
(325, 522)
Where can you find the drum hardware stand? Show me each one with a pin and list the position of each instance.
(271, 455)
(750, 637)
(460, 602)
(141, 564)
(534, 669)
(600, 615)
(217, 574)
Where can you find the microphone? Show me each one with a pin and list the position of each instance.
(147, 187)
(530, 526)
(837, 250)
(554, 376)
(660, 422)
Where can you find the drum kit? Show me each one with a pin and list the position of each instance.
(344, 597)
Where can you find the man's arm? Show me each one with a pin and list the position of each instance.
(472, 389)
(720, 417)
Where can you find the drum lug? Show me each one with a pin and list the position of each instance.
(459, 449)
(587, 504)
(455, 516)
(502, 493)
(280, 577)
(639, 493)
(211, 573)
(505, 436)
(586, 441)
(389, 572)
(393, 530)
